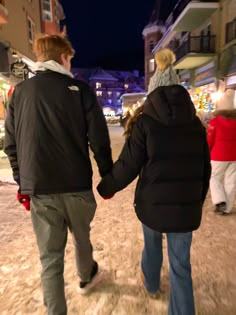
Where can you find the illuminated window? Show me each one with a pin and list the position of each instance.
(47, 10)
(109, 93)
(126, 86)
(30, 31)
(99, 93)
(151, 65)
(98, 85)
(117, 94)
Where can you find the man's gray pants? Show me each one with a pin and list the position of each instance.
(52, 215)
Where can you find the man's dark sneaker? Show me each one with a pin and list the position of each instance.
(86, 286)
(220, 207)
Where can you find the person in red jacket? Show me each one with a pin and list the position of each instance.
(222, 144)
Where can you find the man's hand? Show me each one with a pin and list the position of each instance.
(24, 200)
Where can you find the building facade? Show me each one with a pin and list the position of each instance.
(110, 85)
(52, 15)
(152, 34)
(23, 21)
(203, 36)
(20, 22)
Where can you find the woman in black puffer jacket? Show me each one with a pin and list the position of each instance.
(167, 148)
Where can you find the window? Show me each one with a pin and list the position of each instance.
(47, 12)
(99, 93)
(126, 86)
(30, 31)
(117, 94)
(109, 93)
(209, 29)
(151, 46)
(206, 31)
(151, 65)
(47, 16)
(98, 85)
(47, 5)
(230, 31)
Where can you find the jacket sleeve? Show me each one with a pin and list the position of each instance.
(207, 170)
(10, 140)
(129, 164)
(211, 133)
(98, 134)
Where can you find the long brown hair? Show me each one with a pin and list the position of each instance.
(132, 120)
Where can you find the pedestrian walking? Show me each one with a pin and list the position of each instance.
(167, 148)
(51, 119)
(222, 144)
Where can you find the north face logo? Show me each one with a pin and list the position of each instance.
(73, 88)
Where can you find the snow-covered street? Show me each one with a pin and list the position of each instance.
(117, 239)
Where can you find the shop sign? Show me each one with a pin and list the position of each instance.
(19, 69)
(205, 77)
(231, 81)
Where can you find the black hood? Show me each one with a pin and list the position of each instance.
(170, 105)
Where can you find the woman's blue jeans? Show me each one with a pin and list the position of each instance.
(181, 290)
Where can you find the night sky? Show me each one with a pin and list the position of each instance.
(108, 33)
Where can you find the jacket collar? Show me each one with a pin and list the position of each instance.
(53, 66)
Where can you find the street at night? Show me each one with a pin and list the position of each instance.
(117, 239)
(118, 157)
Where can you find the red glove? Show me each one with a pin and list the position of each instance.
(24, 200)
(107, 197)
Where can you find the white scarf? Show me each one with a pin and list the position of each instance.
(53, 66)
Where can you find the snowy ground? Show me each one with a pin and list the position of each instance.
(117, 239)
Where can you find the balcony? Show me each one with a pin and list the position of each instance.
(195, 51)
(59, 12)
(3, 14)
(189, 15)
(230, 33)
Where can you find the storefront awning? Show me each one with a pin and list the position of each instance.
(193, 60)
(205, 75)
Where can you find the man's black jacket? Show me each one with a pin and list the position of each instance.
(168, 149)
(51, 119)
